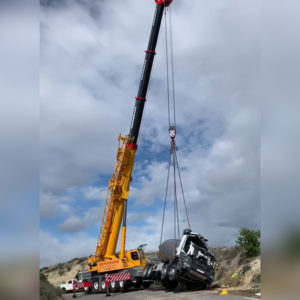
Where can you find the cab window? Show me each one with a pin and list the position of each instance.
(134, 255)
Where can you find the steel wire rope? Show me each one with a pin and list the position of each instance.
(175, 196)
(183, 196)
(165, 202)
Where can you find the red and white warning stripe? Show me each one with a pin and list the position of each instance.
(81, 285)
(117, 277)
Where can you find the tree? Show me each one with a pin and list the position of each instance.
(249, 240)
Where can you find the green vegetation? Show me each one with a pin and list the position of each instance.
(250, 241)
(47, 290)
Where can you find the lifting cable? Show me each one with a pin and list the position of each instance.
(173, 161)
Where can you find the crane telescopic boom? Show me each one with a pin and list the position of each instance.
(146, 72)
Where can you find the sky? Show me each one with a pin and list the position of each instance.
(91, 56)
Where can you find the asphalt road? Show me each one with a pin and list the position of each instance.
(157, 294)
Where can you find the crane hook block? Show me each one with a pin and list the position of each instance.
(165, 2)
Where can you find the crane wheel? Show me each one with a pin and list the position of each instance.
(96, 286)
(123, 286)
(113, 286)
(102, 286)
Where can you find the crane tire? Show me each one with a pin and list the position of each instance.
(123, 286)
(102, 286)
(96, 286)
(113, 286)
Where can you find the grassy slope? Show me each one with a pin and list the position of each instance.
(47, 290)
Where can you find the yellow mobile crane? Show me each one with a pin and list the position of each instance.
(106, 261)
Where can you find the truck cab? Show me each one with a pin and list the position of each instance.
(67, 286)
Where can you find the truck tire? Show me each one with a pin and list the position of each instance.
(164, 272)
(173, 274)
(96, 286)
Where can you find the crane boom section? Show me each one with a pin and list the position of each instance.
(145, 76)
(118, 191)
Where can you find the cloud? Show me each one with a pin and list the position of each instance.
(88, 219)
(52, 205)
(54, 250)
(72, 224)
(95, 193)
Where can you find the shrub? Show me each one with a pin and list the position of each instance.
(47, 290)
(61, 272)
(250, 241)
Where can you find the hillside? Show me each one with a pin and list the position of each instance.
(235, 270)
(47, 290)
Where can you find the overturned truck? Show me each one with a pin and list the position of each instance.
(186, 261)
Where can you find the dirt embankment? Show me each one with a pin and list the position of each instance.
(64, 271)
(235, 270)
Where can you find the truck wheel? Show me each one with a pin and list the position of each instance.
(113, 286)
(96, 286)
(123, 286)
(172, 274)
(164, 272)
